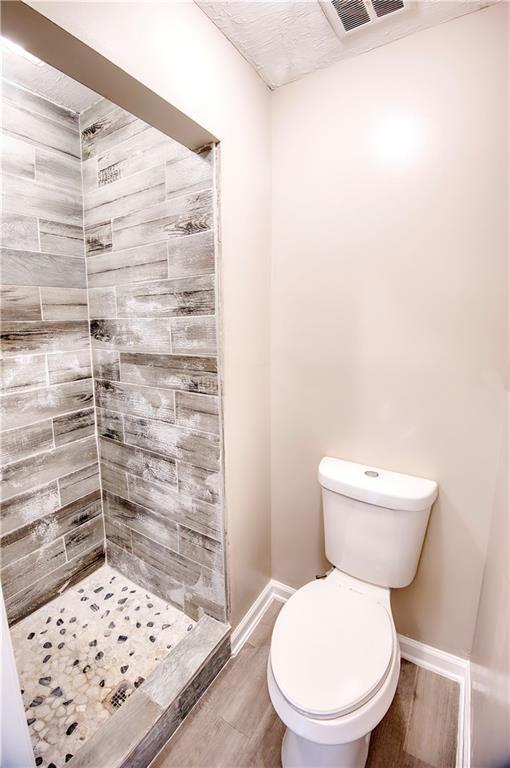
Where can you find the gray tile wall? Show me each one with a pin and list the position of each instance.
(150, 259)
(52, 525)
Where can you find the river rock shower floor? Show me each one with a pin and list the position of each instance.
(81, 655)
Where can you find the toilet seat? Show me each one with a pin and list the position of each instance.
(331, 649)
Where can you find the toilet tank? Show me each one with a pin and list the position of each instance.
(374, 520)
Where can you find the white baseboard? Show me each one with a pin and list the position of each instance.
(425, 656)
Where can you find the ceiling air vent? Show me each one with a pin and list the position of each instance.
(383, 7)
(347, 16)
(352, 13)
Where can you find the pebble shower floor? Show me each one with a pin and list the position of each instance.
(80, 656)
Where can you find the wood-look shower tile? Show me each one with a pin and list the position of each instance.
(48, 528)
(206, 594)
(106, 364)
(98, 238)
(109, 424)
(127, 195)
(89, 174)
(19, 443)
(198, 412)
(42, 591)
(157, 497)
(142, 463)
(26, 407)
(17, 157)
(178, 217)
(147, 262)
(96, 112)
(69, 366)
(181, 206)
(192, 255)
(85, 536)
(201, 517)
(102, 303)
(191, 173)
(31, 268)
(74, 426)
(134, 400)
(24, 475)
(39, 131)
(194, 335)
(20, 302)
(113, 479)
(31, 505)
(33, 198)
(117, 534)
(79, 483)
(165, 560)
(131, 334)
(152, 523)
(144, 150)
(23, 372)
(56, 169)
(23, 572)
(16, 90)
(142, 572)
(19, 232)
(199, 483)
(200, 450)
(64, 239)
(201, 549)
(64, 303)
(43, 336)
(107, 129)
(192, 374)
(167, 298)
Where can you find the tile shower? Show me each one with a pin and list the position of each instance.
(112, 537)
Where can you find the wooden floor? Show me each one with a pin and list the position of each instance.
(235, 726)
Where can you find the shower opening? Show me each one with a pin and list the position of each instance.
(112, 528)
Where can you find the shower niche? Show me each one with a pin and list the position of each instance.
(112, 526)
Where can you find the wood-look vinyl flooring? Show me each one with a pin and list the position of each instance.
(234, 724)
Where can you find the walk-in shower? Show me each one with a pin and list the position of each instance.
(112, 545)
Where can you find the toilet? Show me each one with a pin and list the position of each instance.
(334, 661)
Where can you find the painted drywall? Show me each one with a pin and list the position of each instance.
(490, 660)
(176, 51)
(389, 299)
(490, 664)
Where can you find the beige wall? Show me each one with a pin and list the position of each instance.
(490, 660)
(389, 299)
(176, 51)
(490, 668)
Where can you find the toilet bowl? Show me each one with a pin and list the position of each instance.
(332, 670)
(334, 661)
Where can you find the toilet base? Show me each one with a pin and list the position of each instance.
(301, 753)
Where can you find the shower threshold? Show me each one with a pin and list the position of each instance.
(108, 671)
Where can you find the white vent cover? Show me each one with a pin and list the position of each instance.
(348, 16)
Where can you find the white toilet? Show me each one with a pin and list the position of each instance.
(334, 662)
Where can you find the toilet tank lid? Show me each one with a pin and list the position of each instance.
(377, 486)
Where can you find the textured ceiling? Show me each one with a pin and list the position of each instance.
(46, 81)
(285, 40)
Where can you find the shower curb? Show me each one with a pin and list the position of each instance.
(134, 735)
